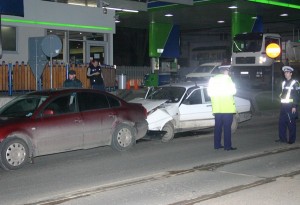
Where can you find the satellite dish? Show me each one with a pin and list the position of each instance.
(51, 45)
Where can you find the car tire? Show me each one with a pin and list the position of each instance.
(234, 124)
(169, 128)
(14, 154)
(123, 138)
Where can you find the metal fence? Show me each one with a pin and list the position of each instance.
(134, 74)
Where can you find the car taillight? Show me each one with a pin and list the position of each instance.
(145, 112)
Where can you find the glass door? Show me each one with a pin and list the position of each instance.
(97, 50)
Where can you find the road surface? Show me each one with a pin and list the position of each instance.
(186, 170)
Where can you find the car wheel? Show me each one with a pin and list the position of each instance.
(123, 138)
(234, 124)
(14, 154)
(169, 135)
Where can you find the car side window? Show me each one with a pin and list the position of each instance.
(92, 101)
(195, 97)
(62, 105)
(113, 102)
(206, 96)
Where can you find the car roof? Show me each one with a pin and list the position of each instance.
(186, 84)
(54, 91)
(60, 91)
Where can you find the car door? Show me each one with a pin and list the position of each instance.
(98, 118)
(60, 126)
(196, 110)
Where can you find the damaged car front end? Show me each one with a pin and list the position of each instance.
(184, 107)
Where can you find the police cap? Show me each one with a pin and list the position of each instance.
(287, 69)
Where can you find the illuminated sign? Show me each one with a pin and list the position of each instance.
(44, 23)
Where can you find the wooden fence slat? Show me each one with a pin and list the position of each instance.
(2, 83)
(15, 77)
(24, 79)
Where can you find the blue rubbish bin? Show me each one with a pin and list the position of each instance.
(164, 78)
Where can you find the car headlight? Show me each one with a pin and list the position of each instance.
(262, 59)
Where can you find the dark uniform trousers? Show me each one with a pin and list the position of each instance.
(223, 120)
(287, 119)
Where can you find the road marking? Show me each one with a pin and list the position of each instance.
(234, 189)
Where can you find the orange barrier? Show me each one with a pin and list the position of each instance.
(136, 86)
(128, 85)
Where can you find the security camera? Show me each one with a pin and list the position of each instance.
(105, 4)
(104, 10)
(102, 4)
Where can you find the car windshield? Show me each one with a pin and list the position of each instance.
(247, 43)
(23, 106)
(172, 94)
(204, 69)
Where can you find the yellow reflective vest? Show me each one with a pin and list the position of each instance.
(221, 90)
(290, 92)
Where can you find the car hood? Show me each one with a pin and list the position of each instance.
(148, 104)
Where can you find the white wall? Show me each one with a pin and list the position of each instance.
(45, 14)
(41, 15)
(23, 33)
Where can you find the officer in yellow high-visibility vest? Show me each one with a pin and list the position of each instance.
(221, 89)
(289, 99)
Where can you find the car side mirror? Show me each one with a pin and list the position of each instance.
(48, 112)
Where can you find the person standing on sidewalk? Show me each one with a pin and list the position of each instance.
(289, 99)
(221, 89)
(94, 73)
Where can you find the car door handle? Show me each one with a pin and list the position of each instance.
(112, 115)
(77, 121)
(208, 105)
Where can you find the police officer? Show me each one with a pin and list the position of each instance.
(94, 72)
(221, 90)
(289, 99)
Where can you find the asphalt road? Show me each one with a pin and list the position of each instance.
(186, 170)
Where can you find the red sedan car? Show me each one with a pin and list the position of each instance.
(46, 122)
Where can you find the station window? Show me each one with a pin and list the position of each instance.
(9, 38)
